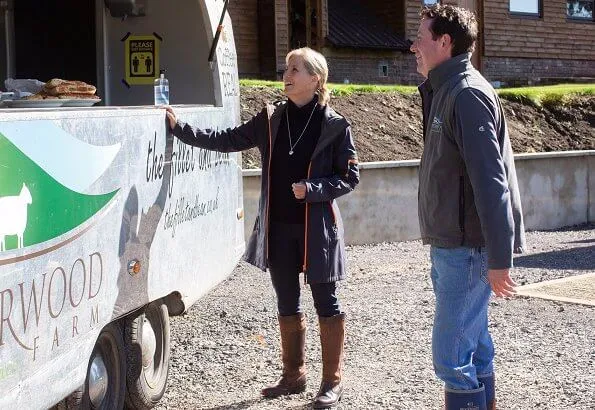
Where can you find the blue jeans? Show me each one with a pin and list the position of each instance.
(462, 347)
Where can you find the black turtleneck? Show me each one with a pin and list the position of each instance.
(287, 169)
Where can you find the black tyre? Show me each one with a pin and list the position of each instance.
(105, 386)
(146, 336)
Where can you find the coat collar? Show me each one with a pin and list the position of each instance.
(332, 124)
(275, 112)
(453, 66)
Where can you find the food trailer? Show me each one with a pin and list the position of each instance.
(108, 224)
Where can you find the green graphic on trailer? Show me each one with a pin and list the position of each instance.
(39, 182)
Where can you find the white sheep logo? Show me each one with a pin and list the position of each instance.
(13, 216)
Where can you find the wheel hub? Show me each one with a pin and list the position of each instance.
(98, 381)
(149, 344)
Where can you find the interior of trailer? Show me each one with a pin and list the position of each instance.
(84, 40)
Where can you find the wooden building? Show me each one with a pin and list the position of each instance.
(521, 41)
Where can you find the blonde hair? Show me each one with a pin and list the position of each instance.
(316, 64)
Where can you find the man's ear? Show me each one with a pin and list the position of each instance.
(446, 40)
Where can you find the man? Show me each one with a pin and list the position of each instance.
(469, 204)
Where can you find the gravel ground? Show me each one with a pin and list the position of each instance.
(226, 348)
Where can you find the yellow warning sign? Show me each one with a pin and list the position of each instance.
(142, 59)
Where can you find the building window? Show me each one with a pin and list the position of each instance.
(383, 69)
(429, 2)
(580, 9)
(525, 7)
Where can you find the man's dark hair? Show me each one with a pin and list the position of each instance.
(457, 22)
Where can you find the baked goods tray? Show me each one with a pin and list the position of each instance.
(53, 103)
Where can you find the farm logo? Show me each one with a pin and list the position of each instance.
(14, 222)
(44, 172)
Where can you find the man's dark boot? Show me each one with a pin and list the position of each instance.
(293, 352)
(489, 382)
(332, 336)
(465, 399)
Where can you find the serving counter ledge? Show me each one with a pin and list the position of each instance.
(25, 114)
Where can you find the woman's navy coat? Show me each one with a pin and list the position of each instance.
(333, 172)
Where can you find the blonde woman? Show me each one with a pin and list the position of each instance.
(308, 160)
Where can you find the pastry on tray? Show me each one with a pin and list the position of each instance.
(78, 96)
(65, 89)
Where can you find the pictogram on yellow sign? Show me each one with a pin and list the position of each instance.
(142, 59)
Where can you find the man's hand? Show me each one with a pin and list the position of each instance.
(299, 190)
(501, 282)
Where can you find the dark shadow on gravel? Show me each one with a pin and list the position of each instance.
(251, 402)
(244, 404)
(587, 226)
(584, 241)
(577, 258)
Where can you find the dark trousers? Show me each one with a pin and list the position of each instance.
(286, 259)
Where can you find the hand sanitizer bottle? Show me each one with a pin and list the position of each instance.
(161, 89)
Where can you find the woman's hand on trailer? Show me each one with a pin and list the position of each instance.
(171, 116)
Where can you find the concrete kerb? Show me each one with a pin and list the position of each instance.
(557, 190)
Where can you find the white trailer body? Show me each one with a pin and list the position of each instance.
(103, 212)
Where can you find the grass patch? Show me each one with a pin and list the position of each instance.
(549, 95)
(348, 89)
(261, 83)
(340, 89)
(538, 96)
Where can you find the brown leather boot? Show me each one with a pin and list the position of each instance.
(332, 336)
(293, 352)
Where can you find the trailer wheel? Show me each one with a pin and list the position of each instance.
(147, 352)
(105, 385)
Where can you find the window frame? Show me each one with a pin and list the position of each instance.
(381, 72)
(539, 13)
(581, 19)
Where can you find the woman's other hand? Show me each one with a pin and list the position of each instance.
(299, 190)
(171, 116)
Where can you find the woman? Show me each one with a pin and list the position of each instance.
(308, 160)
